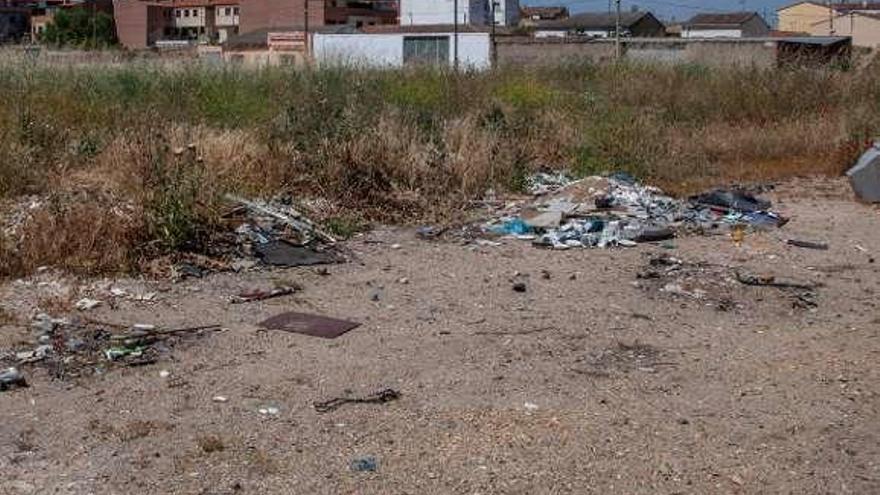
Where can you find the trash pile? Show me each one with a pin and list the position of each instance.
(279, 235)
(602, 212)
(72, 348)
(271, 233)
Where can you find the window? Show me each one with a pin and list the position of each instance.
(186, 12)
(226, 11)
(177, 12)
(195, 12)
(235, 10)
(427, 50)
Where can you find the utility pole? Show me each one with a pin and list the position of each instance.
(617, 32)
(494, 23)
(830, 18)
(308, 53)
(94, 25)
(455, 35)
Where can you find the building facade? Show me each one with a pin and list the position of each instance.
(727, 25)
(390, 48)
(863, 27)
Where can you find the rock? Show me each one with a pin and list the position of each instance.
(519, 287)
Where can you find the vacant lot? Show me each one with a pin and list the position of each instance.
(150, 148)
(593, 380)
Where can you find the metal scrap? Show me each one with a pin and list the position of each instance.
(307, 324)
(380, 397)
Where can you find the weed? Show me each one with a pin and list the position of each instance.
(407, 145)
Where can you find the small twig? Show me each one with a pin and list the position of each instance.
(380, 397)
(521, 332)
(771, 282)
(139, 334)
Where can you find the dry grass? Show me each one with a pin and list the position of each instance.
(162, 145)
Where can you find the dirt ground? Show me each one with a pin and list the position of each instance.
(609, 374)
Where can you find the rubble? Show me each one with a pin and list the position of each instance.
(617, 211)
(277, 234)
(864, 176)
(11, 378)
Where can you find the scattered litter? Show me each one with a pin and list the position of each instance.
(380, 397)
(269, 411)
(114, 353)
(807, 244)
(396, 246)
(11, 378)
(864, 177)
(83, 346)
(288, 215)
(220, 398)
(283, 253)
(530, 406)
(732, 200)
(364, 463)
(430, 232)
(164, 374)
(261, 295)
(488, 243)
(86, 304)
(306, 324)
(617, 211)
(37, 354)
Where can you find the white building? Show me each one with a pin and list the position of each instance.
(729, 25)
(472, 12)
(404, 47)
(506, 12)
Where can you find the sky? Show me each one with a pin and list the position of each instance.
(667, 9)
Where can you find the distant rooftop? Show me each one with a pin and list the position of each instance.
(721, 20)
(594, 20)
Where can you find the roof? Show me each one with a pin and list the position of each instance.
(544, 12)
(427, 28)
(720, 21)
(594, 20)
(837, 6)
(814, 40)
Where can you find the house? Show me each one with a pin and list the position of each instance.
(858, 20)
(470, 12)
(602, 25)
(726, 25)
(150, 23)
(862, 26)
(360, 12)
(399, 46)
(142, 24)
(530, 15)
(808, 16)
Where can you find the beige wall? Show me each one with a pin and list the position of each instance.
(865, 31)
(802, 17)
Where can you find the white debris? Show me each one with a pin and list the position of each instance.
(86, 304)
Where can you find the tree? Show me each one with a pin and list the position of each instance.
(80, 27)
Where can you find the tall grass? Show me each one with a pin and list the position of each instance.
(405, 145)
